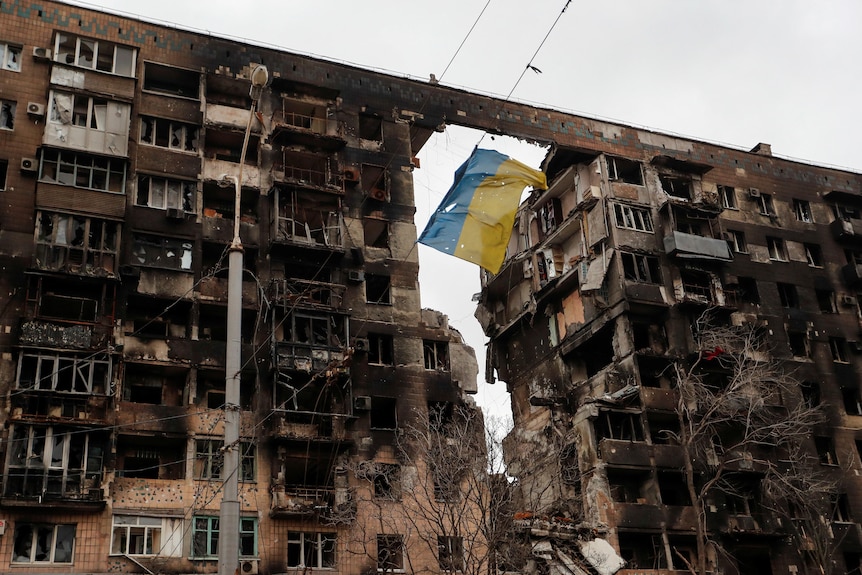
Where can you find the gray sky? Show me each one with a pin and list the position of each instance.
(784, 72)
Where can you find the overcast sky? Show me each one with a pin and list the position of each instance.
(784, 72)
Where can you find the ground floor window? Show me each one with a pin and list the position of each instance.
(43, 543)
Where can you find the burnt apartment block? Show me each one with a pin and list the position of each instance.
(114, 237)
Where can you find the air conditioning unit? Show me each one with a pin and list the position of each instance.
(848, 300)
(356, 276)
(360, 344)
(36, 109)
(30, 165)
(379, 194)
(175, 214)
(362, 403)
(351, 174)
(40, 53)
(753, 193)
(249, 566)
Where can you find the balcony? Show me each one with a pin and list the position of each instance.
(646, 516)
(690, 246)
(214, 289)
(215, 168)
(292, 426)
(59, 407)
(58, 335)
(304, 357)
(307, 128)
(300, 501)
(624, 452)
(307, 293)
(218, 227)
(658, 398)
(844, 229)
(852, 274)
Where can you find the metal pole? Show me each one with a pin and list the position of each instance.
(229, 513)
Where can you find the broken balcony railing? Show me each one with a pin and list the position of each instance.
(291, 292)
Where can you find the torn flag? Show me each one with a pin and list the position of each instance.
(474, 221)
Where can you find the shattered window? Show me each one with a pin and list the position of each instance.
(376, 233)
(68, 374)
(311, 550)
(76, 244)
(814, 255)
(10, 57)
(7, 114)
(676, 186)
(619, 425)
(436, 355)
(209, 460)
(84, 111)
(623, 170)
(94, 54)
(53, 462)
(641, 268)
(450, 553)
(83, 170)
(776, 248)
(164, 193)
(387, 481)
(168, 253)
(205, 532)
(767, 206)
(390, 552)
(384, 413)
(380, 349)
(171, 80)
(169, 134)
(377, 289)
(4, 167)
(370, 127)
(802, 209)
(43, 543)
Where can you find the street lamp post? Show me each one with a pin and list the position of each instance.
(228, 543)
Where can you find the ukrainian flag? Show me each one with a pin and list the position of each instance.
(474, 221)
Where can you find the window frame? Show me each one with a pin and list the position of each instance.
(621, 173)
(207, 526)
(633, 218)
(322, 558)
(189, 134)
(435, 355)
(33, 545)
(146, 527)
(802, 210)
(66, 160)
(641, 268)
(97, 62)
(776, 248)
(83, 368)
(838, 349)
(450, 553)
(813, 255)
(737, 242)
(8, 109)
(390, 552)
(8, 50)
(766, 203)
(165, 245)
(154, 187)
(4, 173)
(381, 349)
(56, 246)
(728, 197)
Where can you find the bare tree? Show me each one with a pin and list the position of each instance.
(743, 427)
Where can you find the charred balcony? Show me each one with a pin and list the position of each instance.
(218, 214)
(308, 170)
(312, 406)
(77, 244)
(309, 340)
(309, 484)
(306, 221)
(311, 293)
(307, 123)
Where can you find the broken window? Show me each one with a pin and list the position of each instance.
(728, 197)
(387, 481)
(153, 251)
(70, 304)
(376, 232)
(436, 355)
(209, 460)
(390, 552)
(55, 463)
(83, 171)
(629, 486)
(10, 57)
(799, 346)
(43, 543)
(766, 205)
(94, 54)
(656, 372)
(619, 425)
(663, 428)
(624, 170)
(79, 110)
(788, 295)
(696, 284)
(838, 347)
(598, 351)
(826, 300)
(852, 400)
(840, 508)
(380, 350)
(64, 373)
(315, 329)
(642, 550)
(825, 448)
(311, 550)
(633, 218)
(641, 268)
(377, 289)
(305, 168)
(370, 127)
(673, 488)
(450, 553)
(7, 114)
(741, 497)
(76, 244)
(309, 218)
(171, 81)
(205, 535)
(164, 193)
(169, 134)
(847, 212)
(134, 535)
(776, 248)
(802, 209)
(737, 242)
(747, 290)
(151, 457)
(4, 169)
(144, 383)
(549, 216)
(810, 391)
(374, 181)
(384, 413)
(814, 255)
(157, 318)
(676, 186)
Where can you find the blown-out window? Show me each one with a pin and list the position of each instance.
(94, 54)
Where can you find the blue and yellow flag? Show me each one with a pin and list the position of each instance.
(474, 221)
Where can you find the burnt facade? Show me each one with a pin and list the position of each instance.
(608, 276)
(113, 241)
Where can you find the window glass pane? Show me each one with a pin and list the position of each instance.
(124, 60)
(86, 52)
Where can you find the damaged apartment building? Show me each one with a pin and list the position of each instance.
(596, 314)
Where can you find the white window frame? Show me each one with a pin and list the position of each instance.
(174, 253)
(96, 47)
(55, 530)
(802, 209)
(165, 193)
(777, 249)
(633, 218)
(318, 542)
(172, 127)
(737, 241)
(728, 197)
(766, 204)
(49, 366)
(146, 531)
(10, 57)
(69, 166)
